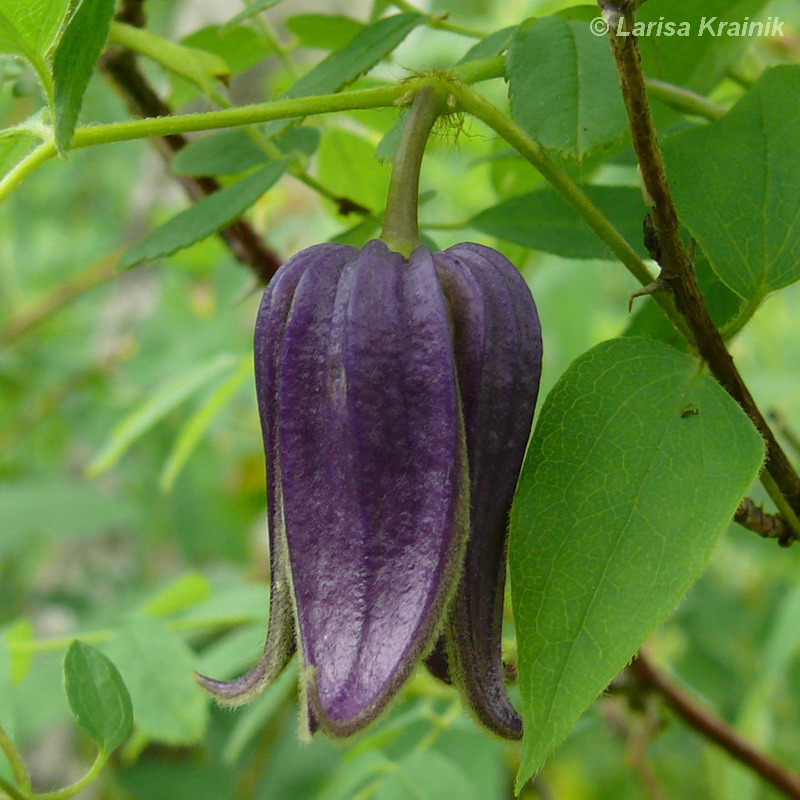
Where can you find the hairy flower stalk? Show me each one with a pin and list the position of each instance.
(396, 390)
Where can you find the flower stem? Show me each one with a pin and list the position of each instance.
(400, 228)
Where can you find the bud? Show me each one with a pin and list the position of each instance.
(396, 396)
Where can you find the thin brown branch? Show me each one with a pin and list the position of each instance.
(705, 721)
(142, 100)
(766, 525)
(677, 269)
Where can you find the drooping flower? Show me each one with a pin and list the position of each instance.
(396, 397)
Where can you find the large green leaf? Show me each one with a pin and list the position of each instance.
(204, 218)
(97, 696)
(636, 466)
(356, 58)
(157, 669)
(29, 27)
(200, 67)
(736, 182)
(323, 31)
(564, 87)
(74, 61)
(543, 221)
(360, 55)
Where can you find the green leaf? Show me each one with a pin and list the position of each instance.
(234, 151)
(97, 696)
(492, 45)
(360, 233)
(28, 28)
(322, 31)
(157, 668)
(349, 167)
(359, 56)
(184, 592)
(74, 62)
(196, 427)
(155, 408)
(252, 10)
(239, 46)
(543, 221)
(424, 775)
(563, 86)
(200, 67)
(699, 60)
(219, 154)
(635, 468)
(744, 210)
(204, 218)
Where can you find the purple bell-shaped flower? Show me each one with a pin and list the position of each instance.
(396, 396)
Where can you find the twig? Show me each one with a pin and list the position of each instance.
(120, 64)
(677, 271)
(769, 526)
(702, 719)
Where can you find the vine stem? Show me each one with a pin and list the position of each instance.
(384, 96)
(400, 227)
(678, 278)
(713, 727)
(16, 763)
(11, 791)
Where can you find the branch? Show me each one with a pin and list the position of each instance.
(702, 719)
(677, 270)
(240, 237)
(769, 526)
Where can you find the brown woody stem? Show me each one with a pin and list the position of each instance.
(120, 65)
(677, 269)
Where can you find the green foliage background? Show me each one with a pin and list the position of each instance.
(132, 503)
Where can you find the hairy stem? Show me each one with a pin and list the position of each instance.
(381, 97)
(677, 270)
(400, 228)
